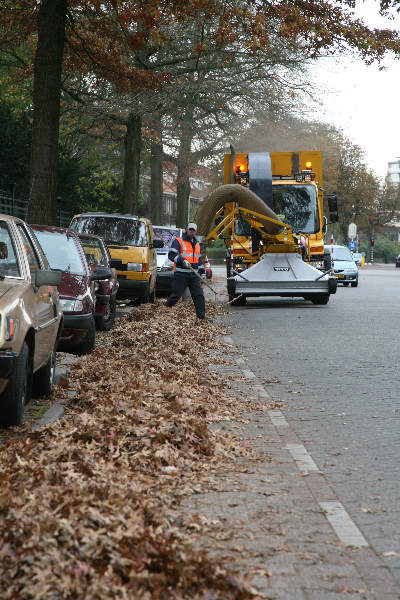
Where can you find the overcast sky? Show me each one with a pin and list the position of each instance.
(363, 101)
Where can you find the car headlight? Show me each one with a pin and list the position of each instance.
(71, 305)
(134, 266)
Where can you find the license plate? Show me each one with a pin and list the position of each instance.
(340, 276)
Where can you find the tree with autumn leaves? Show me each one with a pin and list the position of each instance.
(126, 45)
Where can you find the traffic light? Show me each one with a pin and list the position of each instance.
(372, 242)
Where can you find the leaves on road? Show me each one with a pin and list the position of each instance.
(89, 505)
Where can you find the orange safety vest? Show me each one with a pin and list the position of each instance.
(192, 255)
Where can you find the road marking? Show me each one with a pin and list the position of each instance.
(277, 418)
(346, 530)
(248, 374)
(302, 458)
(261, 392)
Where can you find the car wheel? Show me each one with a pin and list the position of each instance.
(18, 390)
(106, 321)
(354, 283)
(88, 344)
(43, 379)
(346, 283)
(320, 299)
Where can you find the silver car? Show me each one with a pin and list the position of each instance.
(31, 319)
(344, 268)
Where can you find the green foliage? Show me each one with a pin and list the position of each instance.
(385, 250)
(98, 191)
(217, 250)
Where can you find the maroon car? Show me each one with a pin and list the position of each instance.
(98, 257)
(64, 253)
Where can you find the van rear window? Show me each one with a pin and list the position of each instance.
(113, 230)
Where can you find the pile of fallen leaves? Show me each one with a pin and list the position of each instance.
(89, 505)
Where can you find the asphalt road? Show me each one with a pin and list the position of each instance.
(338, 373)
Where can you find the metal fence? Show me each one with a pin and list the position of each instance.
(9, 205)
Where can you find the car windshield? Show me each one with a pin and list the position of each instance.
(340, 253)
(113, 230)
(9, 265)
(297, 206)
(94, 251)
(167, 236)
(61, 251)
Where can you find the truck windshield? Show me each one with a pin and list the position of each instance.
(297, 206)
(113, 230)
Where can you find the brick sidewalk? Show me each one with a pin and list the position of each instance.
(271, 522)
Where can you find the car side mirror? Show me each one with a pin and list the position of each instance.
(100, 274)
(158, 243)
(47, 278)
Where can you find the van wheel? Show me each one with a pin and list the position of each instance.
(346, 283)
(18, 390)
(88, 344)
(354, 283)
(106, 321)
(43, 379)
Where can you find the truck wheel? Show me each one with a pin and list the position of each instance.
(106, 321)
(18, 390)
(43, 379)
(320, 299)
(88, 344)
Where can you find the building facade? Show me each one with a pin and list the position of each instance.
(393, 172)
(200, 182)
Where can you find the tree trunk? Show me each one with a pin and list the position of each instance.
(156, 167)
(133, 147)
(184, 164)
(46, 111)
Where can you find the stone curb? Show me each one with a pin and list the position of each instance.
(52, 414)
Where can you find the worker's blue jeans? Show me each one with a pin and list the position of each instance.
(179, 284)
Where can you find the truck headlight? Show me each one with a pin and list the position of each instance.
(71, 305)
(134, 266)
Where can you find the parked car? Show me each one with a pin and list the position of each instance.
(344, 268)
(132, 246)
(31, 319)
(77, 297)
(98, 257)
(165, 268)
(398, 260)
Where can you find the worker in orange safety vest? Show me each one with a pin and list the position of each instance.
(185, 251)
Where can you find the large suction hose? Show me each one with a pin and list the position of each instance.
(233, 192)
